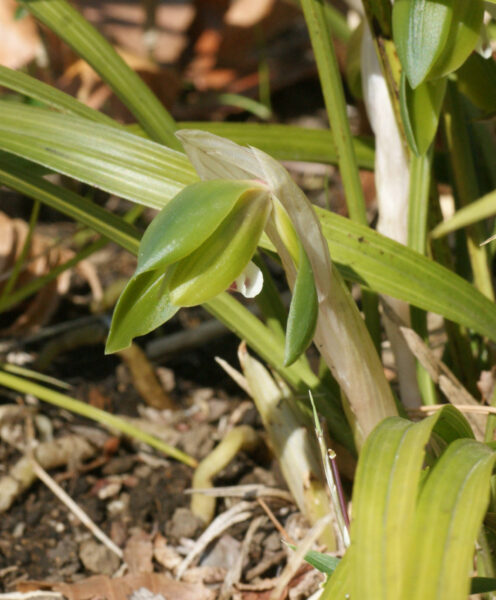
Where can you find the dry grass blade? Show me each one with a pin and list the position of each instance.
(75, 509)
(250, 491)
(233, 576)
(238, 513)
(454, 391)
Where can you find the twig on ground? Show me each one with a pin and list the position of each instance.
(50, 455)
(236, 514)
(275, 522)
(74, 508)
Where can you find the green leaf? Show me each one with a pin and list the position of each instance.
(322, 562)
(142, 307)
(334, 99)
(116, 161)
(51, 96)
(213, 266)
(338, 585)
(477, 80)
(21, 178)
(384, 498)
(420, 110)
(188, 220)
(449, 515)
(476, 211)
(420, 31)
(303, 312)
(69, 25)
(482, 585)
(131, 167)
(389, 268)
(462, 38)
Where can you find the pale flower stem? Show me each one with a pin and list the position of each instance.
(333, 479)
(392, 185)
(339, 486)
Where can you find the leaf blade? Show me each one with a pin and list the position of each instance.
(450, 511)
(116, 161)
(69, 25)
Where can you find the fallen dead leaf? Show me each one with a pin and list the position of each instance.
(165, 554)
(486, 384)
(43, 255)
(92, 91)
(19, 39)
(97, 558)
(121, 588)
(138, 553)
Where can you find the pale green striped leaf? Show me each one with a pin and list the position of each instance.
(116, 161)
(449, 515)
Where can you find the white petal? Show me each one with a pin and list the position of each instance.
(250, 282)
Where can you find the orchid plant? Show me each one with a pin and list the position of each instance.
(429, 86)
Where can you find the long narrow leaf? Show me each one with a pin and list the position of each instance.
(449, 515)
(366, 257)
(24, 386)
(332, 89)
(114, 160)
(69, 25)
(143, 171)
(474, 212)
(384, 498)
(71, 204)
(51, 96)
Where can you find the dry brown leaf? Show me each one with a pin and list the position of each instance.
(19, 39)
(205, 574)
(486, 384)
(138, 553)
(43, 256)
(93, 92)
(97, 558)
(121, 588)
(165, 554)
(247, 13)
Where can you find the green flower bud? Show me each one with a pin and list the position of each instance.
(435, 37)
(214, 265)
(194, 249)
